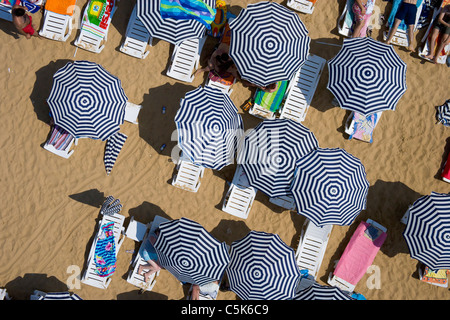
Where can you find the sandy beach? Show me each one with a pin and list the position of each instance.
(50, 205)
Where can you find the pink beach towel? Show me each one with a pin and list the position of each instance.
(359, 253)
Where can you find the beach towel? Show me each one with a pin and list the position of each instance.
(188, 10)
(395, 5)
(65, 7)
(359, 253)
(437, 277)
(271, 100)
(225, 78)
(363, 126)
(97, 17)
(105, 251)
(60, 138)
(9, 3)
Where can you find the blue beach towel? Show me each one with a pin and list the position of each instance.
(188, 10)
(105, 252)
(395, 5)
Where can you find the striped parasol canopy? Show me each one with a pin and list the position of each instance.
(269, 43)
(268, 154)
(321, 292)
(190, 252)
(427, 231)
(262, 267)
(169, 29)
(87, 101)
(209, 127)
(367, 76)
(59, 296)
(113, 146)
(330, 187)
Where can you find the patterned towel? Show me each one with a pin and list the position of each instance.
(435, 276)
(64, 7)
(9, 3)
(188, 10)
(105, 252)
(363, 126)
(271, 100)
(60, 138)
(97, 17)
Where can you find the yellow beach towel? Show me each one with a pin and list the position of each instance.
(65, 7)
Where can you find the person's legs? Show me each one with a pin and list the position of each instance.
(412, 42)
(432, 43)
(358, 26)
(444, 41)
(393, 30)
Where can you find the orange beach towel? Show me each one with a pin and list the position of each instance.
(65, 7)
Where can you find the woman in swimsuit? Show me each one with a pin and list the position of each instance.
(442, 26)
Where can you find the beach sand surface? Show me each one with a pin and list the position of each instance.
(50, 205)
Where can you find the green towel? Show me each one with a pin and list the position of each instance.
(271, 100)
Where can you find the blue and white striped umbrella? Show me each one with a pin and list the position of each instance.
(262, 267)
(269, 152)
(209, 127)
(60, 296)
(367, 76)
(87, 101)
(427, 231)
(269, 43)
(190, 252)
(330, 187)
(113, 146)
(322, 292)
(169, 29)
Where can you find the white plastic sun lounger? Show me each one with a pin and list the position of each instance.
(239, 198)
(222, 87)
(303, 6)
(185, 59)
(56, 26)
(311, 248)
(286, 202)
(5, 12)
(302, 88)
(400, 37)
(90, 39)
(65, 151)
(136, 38)
(132, 112)
(90, 277)
(138, 231)
(188, 175)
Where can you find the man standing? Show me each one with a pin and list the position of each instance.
(407, 10)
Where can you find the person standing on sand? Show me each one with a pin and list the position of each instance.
(407, 11)
(23, 22)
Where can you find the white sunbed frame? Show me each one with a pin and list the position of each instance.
(240, 196)
(341, 283)
(303, 6)
(185, 59)
(92, 43)
(222, 87)
(132, 112)
(302, 88)
(442, 59)
(56, 26)
(138, 231)
(65, 153)
(90, 277)
(137, 38)
(5, 12)
(400, 37)
(311, 248)
(188, 176)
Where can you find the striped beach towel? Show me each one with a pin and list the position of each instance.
(105, 251)
(60, 138)
(188, 10)
(271, 100)
(97, 17)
